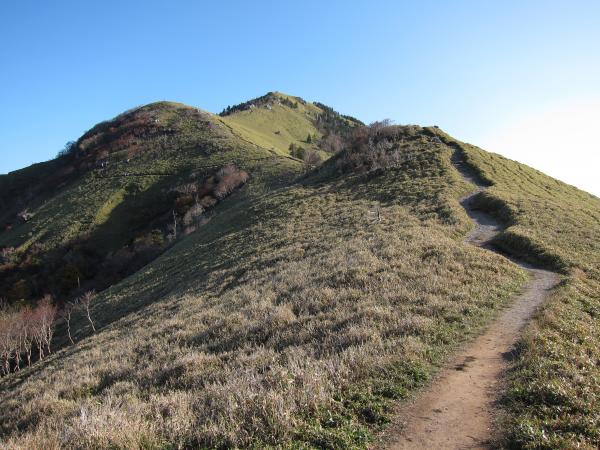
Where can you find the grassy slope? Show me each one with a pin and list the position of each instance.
(278, 127)
(88, 202)
(290, 318)
(270, 290)
(554, 391)
(92, 200)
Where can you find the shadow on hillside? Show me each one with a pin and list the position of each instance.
(214, 259)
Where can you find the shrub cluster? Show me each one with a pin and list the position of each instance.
(195, 198)
(69, 148)
(23, 330)
(297, 151)
(310, 158)
(27, 332)
(377, 146)
(336, 129)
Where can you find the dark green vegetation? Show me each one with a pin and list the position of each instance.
(303, 305)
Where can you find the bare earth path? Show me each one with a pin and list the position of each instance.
(457, 410)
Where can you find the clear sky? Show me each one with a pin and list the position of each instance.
(521, 78)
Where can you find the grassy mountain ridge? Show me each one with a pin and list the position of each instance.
(554, 387)
(306, 306)
(280, 318)
(116, 191)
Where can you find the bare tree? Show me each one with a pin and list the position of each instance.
(7, 344)
(86, 301)
(333, 143)
(37, 332)
(378, 126)
(48, 320)
(19, 338)
(311, 160)
(43, 324)
(66, 314)
(173, 227)
(28, 332)
(21, 330)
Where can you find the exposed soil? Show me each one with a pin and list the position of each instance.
(458, 409)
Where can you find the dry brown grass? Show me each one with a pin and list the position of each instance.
(554, 386)
(290, 320)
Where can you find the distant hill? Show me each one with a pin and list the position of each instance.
(107, 205)
(280, 276)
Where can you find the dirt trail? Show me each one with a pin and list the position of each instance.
(457, 410)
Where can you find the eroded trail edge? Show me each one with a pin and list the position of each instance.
(457, 410)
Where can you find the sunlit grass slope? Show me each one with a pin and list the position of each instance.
(295, 318)
(193, 143)
(188, 144)
(274, 125)
(554, 394)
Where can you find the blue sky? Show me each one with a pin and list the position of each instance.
(521, 78)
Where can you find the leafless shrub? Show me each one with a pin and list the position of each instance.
(86, 302)
(229, 179)
(25, 215)
(66, 314)
(193, 215)
(332, 143)
(21, 330)
(187, 189)
(311, 160)
(208, 201)
(375, 147)
(7, 255)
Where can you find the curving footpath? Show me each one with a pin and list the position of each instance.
(457, 410)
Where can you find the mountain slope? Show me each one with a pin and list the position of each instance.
(275, 121)
(555, 383)
(305, 307)
(121, 153)
(108, 205)
(295, 316)
(459, 409)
